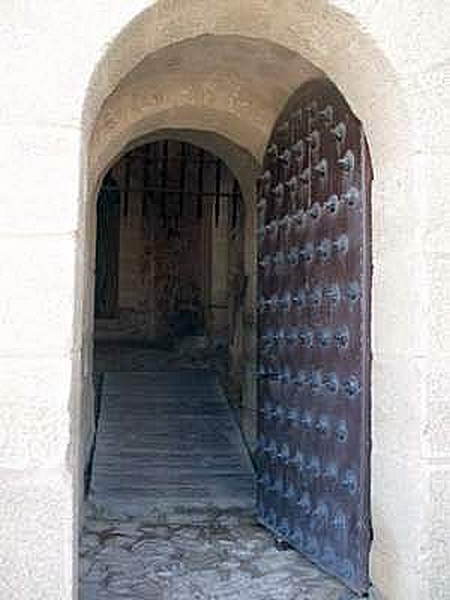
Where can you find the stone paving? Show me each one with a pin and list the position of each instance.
(225, 560)
(197, 553)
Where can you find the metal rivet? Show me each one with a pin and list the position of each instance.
(339, 520)
(300, 378)
(323, 250)
(306, 420)
(305, 176)
(341, 245)
(315, 211)
(292, 185)
(304, 503)
(292, 417)
(298, 461)
(332, 293)
(314, 140)
(320, 515)
(331, 205)
(298, 149)
(349, 481)
(330, 473)
(342, 337)
(340, 131)
(299, 217)
(315, 296)
(324, 338)
(347, 570)
(352, 197)
(285, 158)
(306, 337)
(323, 425)
(284, 454)
(299, 298)
(279, 192)
(352, 386)
(272, 151)
(341, 432)
(353, 291)
(347, 163)
(284, 525)
(292, 256)
(327, 113)
(331, 382)
(321, 169)
(315, 382)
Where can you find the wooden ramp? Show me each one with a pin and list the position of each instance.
(167, 444)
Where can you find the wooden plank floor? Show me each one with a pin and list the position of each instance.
(167, 442)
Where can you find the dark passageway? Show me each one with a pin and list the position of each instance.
(171, 504)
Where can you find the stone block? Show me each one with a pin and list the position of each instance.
(38, 303)
(430, 202)
(398, 393)
(436, 281)
(39, 175)
(37, 529)
(398, 502)
(436, 550)
(36, 421)
(428, 96)
(436, 438)
(393, 577)
(414, 39)
(400, 317)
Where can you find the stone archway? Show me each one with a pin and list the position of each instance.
(376, 99)
(392, 66)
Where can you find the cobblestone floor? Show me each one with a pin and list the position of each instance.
(188, 556)
(224, 560)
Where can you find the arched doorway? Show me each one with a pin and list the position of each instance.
(170, 290)
(244, 124)
(170, 247)
(313, 396)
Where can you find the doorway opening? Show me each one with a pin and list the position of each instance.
(172, 281)
(170, 257)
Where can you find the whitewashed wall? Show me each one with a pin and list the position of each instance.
(60, 61)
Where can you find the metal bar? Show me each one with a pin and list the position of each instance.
(165, 153)
(236, 197)
(145, 177)
(182, 178)
(200, 183)
(127, 187)
(177, 191)
(218, 184)
(175, 158)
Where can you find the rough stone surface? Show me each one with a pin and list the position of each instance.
(130, 559)
(171, 506)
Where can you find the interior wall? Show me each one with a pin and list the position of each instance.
(180, 207)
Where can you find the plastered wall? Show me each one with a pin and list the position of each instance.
(60, 64)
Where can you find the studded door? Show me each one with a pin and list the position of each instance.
(313, 336)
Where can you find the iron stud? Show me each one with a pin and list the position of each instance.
(347, 163)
